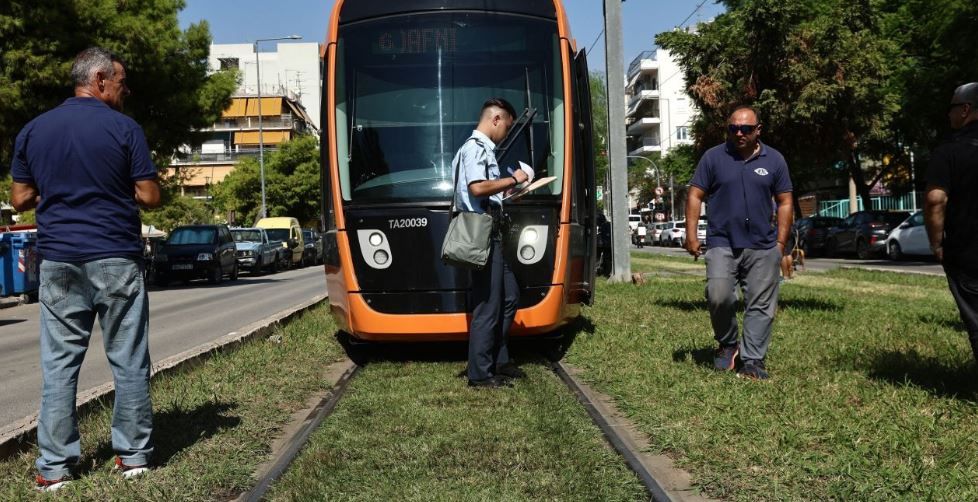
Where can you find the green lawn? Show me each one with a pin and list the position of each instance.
(872, 397)
(414, 431)
(214, 423)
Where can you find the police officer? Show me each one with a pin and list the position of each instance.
(494, 290)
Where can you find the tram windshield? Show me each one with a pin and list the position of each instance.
(409, 90)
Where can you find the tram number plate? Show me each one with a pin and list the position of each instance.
(408, 222)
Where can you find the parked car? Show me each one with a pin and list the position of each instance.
(812, 232)
(701, 232)
(863, 233)
(674, 234)
(313, 252)
(909, 238)
(287, 230)
(197, 252)
(656, 233)
(255, 251)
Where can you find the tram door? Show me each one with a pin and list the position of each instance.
(583, 222)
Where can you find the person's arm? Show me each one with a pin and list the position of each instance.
(786, 211)
(24, 196)
(694, 202)
(148, 193)
(935, 203)
(491, 187)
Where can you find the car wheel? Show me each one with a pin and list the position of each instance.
(863, 251)
(258, 268)
(234, 272)
(217, 275)
(896, 254)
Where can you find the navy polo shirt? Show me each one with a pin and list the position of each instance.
(739, 196)
(84, 158)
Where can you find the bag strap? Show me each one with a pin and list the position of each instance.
(966, 141)
(458, 164)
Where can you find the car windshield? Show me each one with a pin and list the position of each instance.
(246, 235)
(189, 236)
(826, 222)
(409, 90)
(277, 234)
(307, 235)
(893, 219)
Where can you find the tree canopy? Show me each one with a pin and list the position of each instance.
(291, 184)
(172, 94)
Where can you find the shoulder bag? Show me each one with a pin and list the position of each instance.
(467, 241)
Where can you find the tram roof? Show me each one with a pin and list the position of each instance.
(356, 10)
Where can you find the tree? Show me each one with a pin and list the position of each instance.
(291, 184)
(599, 124)
(817, 71)
(172, 94)
(178, 210)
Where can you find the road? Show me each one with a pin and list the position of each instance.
(822, 264)
(181, 318)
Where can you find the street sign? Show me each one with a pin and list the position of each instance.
(599, 192)
(659, 190)
(660, 216)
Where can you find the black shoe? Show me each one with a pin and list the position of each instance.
(510, 370)
(491, 382)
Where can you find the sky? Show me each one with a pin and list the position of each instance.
(242, 21)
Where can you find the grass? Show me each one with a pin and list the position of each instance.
(414, 431)
(873, 391)
(214, 423)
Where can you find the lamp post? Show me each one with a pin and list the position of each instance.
(261, 139)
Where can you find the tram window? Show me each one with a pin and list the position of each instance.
(409, 90)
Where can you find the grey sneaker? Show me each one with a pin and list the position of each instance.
(754, 370)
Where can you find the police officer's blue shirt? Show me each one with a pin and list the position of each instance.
(739, 195)
(476, 158)
(84, 158)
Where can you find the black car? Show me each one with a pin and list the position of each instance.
(312, 253)
(863, 233)
(197, 252)
(812, 232)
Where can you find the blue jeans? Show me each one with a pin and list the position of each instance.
(71, 294)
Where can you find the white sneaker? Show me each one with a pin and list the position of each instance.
(47, 485)
(129, 471)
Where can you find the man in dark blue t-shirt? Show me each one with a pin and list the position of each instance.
(747, 235)
(85, 166)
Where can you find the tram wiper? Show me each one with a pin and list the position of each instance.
(514, 133)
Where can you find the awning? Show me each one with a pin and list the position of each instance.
(269, 107)
(237, 108)
(268, 137)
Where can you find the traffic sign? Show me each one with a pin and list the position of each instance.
(599, 192)
(659, 190)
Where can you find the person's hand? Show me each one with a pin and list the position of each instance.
(520, 176)
(694, 247)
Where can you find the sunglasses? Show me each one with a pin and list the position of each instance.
(744, 129)
(955, 105)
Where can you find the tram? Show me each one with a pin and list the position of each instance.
(403, 85)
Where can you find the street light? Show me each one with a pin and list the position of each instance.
(261, 138)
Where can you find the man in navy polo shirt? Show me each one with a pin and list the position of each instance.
(85, 166)
(739, 179)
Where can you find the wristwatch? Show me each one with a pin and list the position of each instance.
(515, 181)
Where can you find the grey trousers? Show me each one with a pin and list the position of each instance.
(757, 271)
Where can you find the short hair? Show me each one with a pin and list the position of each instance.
(499, 103)
(90, 61)
(967, 93)
(746, 107)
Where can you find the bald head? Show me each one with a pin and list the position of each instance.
(963, 109)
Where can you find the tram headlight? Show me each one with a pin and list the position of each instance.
(375, 248)
(532, 244)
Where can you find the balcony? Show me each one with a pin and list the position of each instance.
(249, 123)
(644, 61)
(648, 144)
(643, 125)
(195, 157)
(645, 94)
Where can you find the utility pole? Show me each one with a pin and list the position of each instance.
(618, 188)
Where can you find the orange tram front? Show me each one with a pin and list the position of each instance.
(403, 84)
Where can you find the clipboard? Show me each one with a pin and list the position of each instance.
(529, 188)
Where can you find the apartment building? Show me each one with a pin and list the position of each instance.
(658, 112)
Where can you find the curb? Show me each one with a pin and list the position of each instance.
(21, 434)
(657, 473)
(883, 269)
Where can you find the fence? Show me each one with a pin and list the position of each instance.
(840, 208)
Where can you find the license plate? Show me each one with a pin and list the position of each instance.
(183, 266)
